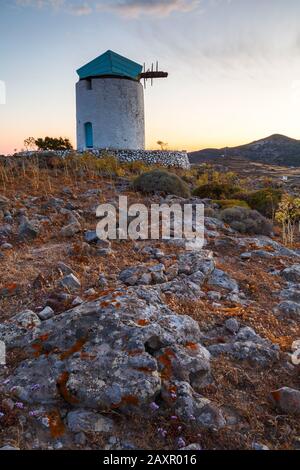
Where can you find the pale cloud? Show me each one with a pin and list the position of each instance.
(81, 9)
(76, 7)
(136, 8)
(129, 8)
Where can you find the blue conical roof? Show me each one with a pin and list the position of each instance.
(110, 63)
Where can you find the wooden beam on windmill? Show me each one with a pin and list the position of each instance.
(151, 74)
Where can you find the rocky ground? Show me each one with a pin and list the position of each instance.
(141, 345)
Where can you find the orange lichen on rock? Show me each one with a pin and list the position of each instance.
(276, 395)
(135, 352)
(143, 322)
(127, 400)
(56, 425)
(38, 349)
(44, 337)
(192, 346)
(63, 390)
(146, 370)
(165, 359)
(75, 348)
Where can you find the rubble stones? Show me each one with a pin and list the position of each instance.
(70, 282)
(70, 230)
(28, 230)
(46, 313)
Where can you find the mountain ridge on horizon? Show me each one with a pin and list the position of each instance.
(275, 149)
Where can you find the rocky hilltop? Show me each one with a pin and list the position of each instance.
(140, 344)
(274, 150)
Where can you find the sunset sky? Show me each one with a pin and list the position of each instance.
(234, 66)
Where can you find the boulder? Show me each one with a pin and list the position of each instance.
(232, 325)
(46, 313)
(292, 274)
(28, 230)
(68, 231)
(288, 309)
(70, 282)
(287, 399)
(221, 279)
(26, 319)
(191, 407)
(114, 354)
(91, 236)
(291, 293)
(88, 421)
(249, 346)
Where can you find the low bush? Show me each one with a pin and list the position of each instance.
(247, 221)
(216, 191)
(265, 201)
(228, 203)
(161, 181)
(288, 215)
(210, 212)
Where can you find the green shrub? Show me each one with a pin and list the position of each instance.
(52, 143)
(216, 191)
(265, 201)
(228, 203)
(247, 221)
(161, 181)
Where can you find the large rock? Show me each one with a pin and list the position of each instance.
(292, 274)
(91, 236)
(70, 282)
(26, 319)
(197, 262)
(291, 293)
(193, 271)
(28, 230)
(10, 333)
(249, 346)
(114, 353)
(221, 279)
(87, 421)
(68, 231)
(288, 309)
(266, 244)
(287, 399)
(191, 407)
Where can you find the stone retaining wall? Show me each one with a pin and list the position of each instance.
(165, 158)
(151, 157)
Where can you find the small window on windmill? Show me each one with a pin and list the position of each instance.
(89, 84)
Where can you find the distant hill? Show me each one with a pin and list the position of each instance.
(275, 150)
